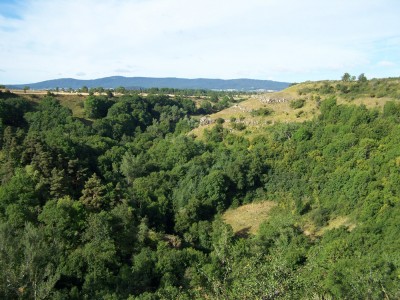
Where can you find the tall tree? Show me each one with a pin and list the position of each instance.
(93, 194)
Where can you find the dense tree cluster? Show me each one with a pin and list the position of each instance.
(129, 206)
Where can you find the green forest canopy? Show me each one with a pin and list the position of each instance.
(129, 206)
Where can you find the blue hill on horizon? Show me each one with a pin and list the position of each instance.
(152, 82)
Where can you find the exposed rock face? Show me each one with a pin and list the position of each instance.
(241, 108)
(271, 100)
(206, 120)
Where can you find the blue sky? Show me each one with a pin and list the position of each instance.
(284, 40)
(10, 8)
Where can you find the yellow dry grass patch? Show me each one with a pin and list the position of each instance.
(199, 131)
(312, 231)
(336, 223)
(247, 218)
(369, 102)
(74, 103)
(282, 112)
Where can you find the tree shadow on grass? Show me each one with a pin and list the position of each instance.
(243, 233)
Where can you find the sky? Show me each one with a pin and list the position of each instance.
(282, 40)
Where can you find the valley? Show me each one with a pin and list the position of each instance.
(212, 195)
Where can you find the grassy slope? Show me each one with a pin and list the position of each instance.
(247, 218)
(73, 101)
(373, 95)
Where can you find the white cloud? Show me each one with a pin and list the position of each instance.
(287, 40)
(386, 63)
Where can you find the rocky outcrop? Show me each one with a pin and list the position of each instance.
(272, 100)
(206, 120)
(241, 108)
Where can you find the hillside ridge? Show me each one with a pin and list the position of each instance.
(265, 109)
(242, 84)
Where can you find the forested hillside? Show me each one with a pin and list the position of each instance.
(127, 203)
(151, 82)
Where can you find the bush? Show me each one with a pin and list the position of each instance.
(296, 104)
(220, 121)
(299, 113)
(239, 126)
(262, 112)
(320, 217)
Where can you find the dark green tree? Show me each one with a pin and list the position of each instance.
(93, 194)
(362, 78)
(346, 77)
(96, 107)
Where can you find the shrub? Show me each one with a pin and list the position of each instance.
(220, 121)
(262, 112)
(296, 104)
(239, 126)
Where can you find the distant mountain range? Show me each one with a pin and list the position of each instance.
(149, 82)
